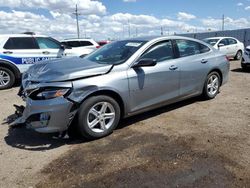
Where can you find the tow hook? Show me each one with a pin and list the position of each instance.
(19, 110)
(12, 118)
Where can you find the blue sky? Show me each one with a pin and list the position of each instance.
(113, 18)
(162, 8)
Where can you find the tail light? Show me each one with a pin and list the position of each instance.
(98, 47)
(227, 58)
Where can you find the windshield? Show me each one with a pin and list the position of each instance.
(211, 41)
(116, 52)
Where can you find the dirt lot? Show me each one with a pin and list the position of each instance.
(194, 143)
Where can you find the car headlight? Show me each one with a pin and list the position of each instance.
(51, 93)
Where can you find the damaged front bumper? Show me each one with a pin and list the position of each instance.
(47, 116)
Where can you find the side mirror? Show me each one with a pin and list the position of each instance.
(220, 45)
(147, 62)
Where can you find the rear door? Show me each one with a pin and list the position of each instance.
(225, 49)
(233, 45)
(193, 65)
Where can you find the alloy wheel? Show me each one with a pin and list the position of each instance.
(100, 117)
(4, 78)
(213, 85)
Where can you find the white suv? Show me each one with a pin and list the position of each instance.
(87, 45)
(231, 47)
(20, 51)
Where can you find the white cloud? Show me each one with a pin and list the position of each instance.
(85, 6)
(185, 16)
(247, 8)
(240, 4)
(229, 23)
(99, 27)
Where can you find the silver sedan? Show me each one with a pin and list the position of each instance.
(90, 95)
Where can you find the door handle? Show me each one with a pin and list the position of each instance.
(203, 61)
(7, 52)
(46, 52)
(173, 67)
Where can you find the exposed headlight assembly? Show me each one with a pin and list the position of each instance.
(50, 93)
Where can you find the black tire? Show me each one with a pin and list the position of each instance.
(243, 66)
(238, 55)
(11, 80)
(206, 94)
(83, 114)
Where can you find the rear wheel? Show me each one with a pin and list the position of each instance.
(98, 117)
(7, 78)
(238, 55)
(243, 65)
(212, 85)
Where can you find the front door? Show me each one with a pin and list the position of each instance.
(154, 85)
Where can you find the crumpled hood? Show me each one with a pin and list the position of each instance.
(64, 69)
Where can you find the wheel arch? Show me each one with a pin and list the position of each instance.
(111, 94)
(219, 72)
(12, 67)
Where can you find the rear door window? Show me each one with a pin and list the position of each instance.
(73, 44)
(21, 43)
(86, 43)
(204, 48)
(224, 41)
(188, 47)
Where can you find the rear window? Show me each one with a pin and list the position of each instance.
(77, 43)
(20, 43)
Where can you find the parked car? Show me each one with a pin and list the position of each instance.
(232, 47)
(245, 63)
(103, 42)
(79, 45)
(120, 79)
(19, 51)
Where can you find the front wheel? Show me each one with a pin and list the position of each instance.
(212, 85)
(98, 117)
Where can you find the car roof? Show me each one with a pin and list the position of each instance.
(77, 39)
(219, 37)
(20, 35)
(169, 37)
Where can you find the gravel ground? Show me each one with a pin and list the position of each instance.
(194, 143)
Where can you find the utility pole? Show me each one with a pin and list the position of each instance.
(223, 22)
(161, 30)
(129, 33)
(77, 21)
